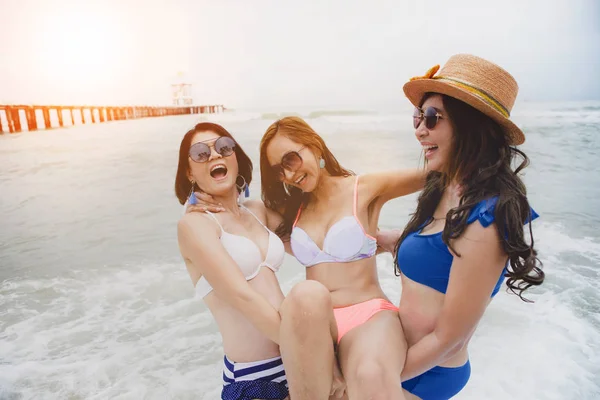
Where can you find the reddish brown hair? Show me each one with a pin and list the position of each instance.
(183, 186)
(273, 194)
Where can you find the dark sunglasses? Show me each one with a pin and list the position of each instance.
(291, 161)
(200, 152)
(430, 115)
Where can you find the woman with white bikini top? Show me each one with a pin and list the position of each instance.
(232, 258)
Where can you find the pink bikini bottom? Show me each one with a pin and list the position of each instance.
(348, 318)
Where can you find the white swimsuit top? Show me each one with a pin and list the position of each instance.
(246, 254)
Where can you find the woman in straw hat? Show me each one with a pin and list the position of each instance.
(467, 233)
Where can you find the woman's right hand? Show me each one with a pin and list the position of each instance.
(204, 202)
(387, 239)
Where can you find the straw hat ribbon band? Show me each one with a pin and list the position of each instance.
(478, 92)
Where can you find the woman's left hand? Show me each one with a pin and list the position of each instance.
(338, 385)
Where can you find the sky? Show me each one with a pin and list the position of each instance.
(263, 53)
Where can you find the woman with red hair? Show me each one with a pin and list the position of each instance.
(330, 216)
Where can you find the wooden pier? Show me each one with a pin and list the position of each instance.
(17, 118)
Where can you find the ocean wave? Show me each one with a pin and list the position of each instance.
(137, 332)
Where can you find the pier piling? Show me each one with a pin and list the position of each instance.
(15, 115)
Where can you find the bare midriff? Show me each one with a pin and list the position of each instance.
(349, 283)
(242, 341)
(420, 308)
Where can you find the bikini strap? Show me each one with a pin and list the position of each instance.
(297, 216)
(216, 220)
(355, 207)
(254, 215)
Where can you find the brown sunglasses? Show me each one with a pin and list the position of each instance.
(291, 161)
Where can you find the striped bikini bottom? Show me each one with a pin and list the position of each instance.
(254, 380)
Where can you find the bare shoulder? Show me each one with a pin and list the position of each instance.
(346, 184)
(368, 185)
(271, 218)
(258, 208)
(255, 205)
(195, 225)
(367, 180)
(478, 241)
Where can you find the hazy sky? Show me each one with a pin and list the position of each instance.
(276, 53)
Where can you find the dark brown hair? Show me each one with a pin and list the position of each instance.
(183, 186)
(273, 194)
(481, 163)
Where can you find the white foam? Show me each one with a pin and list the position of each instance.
(110, 334)
(136, 332)
(549, 349)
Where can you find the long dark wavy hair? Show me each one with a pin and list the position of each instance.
(273, 194)
(183, 186)
(481, 163)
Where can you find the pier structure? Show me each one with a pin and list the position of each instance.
(15, 118)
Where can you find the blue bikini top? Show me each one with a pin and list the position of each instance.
(427, 260)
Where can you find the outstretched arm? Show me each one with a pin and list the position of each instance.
(388, 185)
(205, 255)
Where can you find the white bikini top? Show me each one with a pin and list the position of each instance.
(246, 254)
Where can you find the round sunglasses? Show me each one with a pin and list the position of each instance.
(430, 115)
(200, 152)
(291, 161)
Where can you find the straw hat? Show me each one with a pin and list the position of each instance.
(475, 81)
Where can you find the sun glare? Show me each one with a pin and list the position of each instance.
(80, 48)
